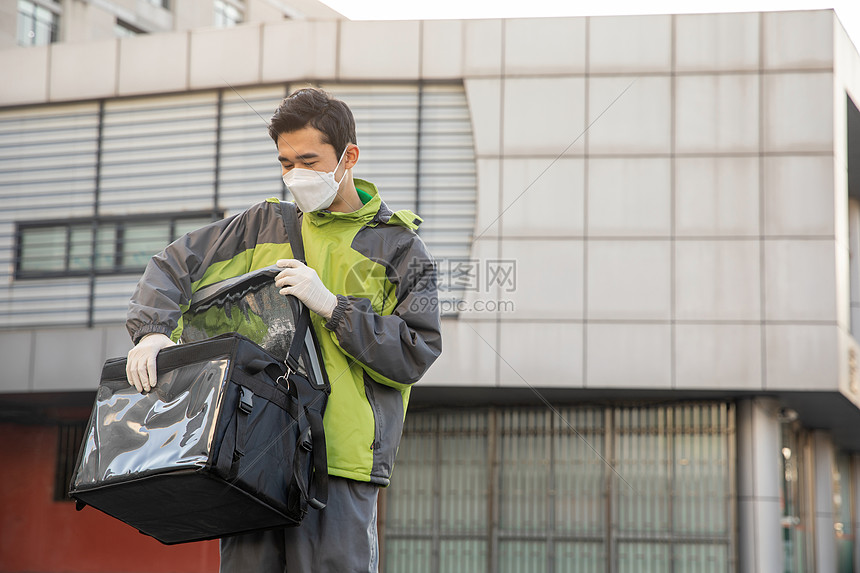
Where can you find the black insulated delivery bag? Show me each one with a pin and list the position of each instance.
(222, 445)
(230, 440)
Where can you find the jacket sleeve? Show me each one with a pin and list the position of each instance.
(166, 287)
(396, 349)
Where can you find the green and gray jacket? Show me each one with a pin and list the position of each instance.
(382, 337)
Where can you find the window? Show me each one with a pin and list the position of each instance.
(793, 494)
(525, 489)
(38, 23)
(853, 159)
(228, 14)
(121, 245)
(843, 522)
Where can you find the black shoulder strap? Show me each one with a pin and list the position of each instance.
(314, 401)
(294, 230)
(294, 234)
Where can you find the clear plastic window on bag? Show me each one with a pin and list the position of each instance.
(250, 305)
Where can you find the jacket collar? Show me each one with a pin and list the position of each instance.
(366, 214)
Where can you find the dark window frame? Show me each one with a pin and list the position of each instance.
(118, 223)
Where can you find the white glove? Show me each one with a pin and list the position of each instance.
(140, 366)
(302, 282)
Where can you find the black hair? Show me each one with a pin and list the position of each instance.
(314, 107)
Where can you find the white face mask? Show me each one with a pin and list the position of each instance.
(313, 190)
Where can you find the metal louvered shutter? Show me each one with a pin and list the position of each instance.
(447, 184)
(48, 157)
(447, 187)
(248, 169)
(200, 152)
(417, 147)
(386, 125)
(159, 154)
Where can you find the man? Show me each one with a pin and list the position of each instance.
(371, 286)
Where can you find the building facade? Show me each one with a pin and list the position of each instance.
(646, 229)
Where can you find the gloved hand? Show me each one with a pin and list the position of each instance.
(140, 366)
(302, 282)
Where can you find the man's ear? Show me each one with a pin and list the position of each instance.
(351, 157)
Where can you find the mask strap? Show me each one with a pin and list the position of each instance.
(342, 155)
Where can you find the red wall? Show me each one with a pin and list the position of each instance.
(38, 534)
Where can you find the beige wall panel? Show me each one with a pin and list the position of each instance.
(371, 50)
(802, 357)
(29, 67)
(83, 71)
(222, 58)
(718, 356)
(538, 46)
(153, 64)
(798, 40)
(628, 356)
(717, 42)
(541, 355)
(299, 50)
(442, 52)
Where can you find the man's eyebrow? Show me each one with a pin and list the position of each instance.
(306, 156)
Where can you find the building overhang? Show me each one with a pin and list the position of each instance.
(830, 411)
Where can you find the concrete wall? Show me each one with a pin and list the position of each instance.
(693, 237)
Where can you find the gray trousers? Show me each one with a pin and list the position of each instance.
(340, 538)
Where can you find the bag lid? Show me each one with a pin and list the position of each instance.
(250, 305)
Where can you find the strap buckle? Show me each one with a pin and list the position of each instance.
(246, 402)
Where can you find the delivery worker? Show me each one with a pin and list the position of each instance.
(371, 286)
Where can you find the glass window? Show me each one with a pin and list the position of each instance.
(795, 525)
(37, 25)
(106, 247)
(517, 489)
(120, 246)
(227, 14)
(80, 247)
(842, 509)
(142, 240)
(43, 249)
(183, 226)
